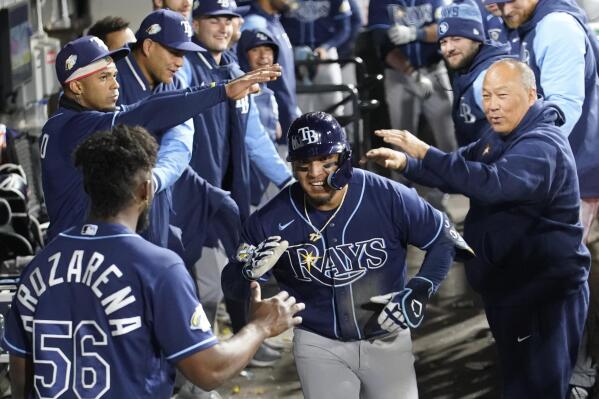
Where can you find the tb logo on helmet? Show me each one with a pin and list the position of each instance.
(304, 137)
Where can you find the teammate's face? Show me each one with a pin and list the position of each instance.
(119, 38)
(183, 7)
(214, 32)
(516, 12)
(99, 91)
(458, 51)
(493, 8)
(162, 62)
(260, 56)
(236, 23)
(505, 99)
(312, 175)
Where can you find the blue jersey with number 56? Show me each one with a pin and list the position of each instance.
(103, 313)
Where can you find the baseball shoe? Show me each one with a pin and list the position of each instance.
(190, 391)
(265, 357)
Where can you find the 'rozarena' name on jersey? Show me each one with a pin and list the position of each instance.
(38, 283)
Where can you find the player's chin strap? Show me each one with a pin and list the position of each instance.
(339, 178)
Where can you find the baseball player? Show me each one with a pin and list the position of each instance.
(462, 41)
(183, 7)
(416, 81)
(150, 68)
(114, 31)
(531, 266)
(255, 49)
(316, 29)
(86, 70)
(343, 235)
(101, 312)
(265, 15)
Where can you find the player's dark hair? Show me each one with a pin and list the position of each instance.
(110, 162)
(107, 25)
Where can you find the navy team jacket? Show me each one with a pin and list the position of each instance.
(524, 208)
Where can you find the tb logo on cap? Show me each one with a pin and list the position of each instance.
(186, 28)
(224, 3)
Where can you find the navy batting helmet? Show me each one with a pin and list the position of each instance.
(316, 134)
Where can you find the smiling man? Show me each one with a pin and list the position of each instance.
(347, 232)
(462, 41)
(530, 267)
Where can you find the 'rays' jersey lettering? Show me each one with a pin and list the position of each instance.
(360, 253)
(91, 312)
(339, 265)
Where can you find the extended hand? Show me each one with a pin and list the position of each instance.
(248, 83)
(406, 142)
(276, 314)
(259, 260)
(387, 158)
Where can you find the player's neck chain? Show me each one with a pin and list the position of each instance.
(317, 235)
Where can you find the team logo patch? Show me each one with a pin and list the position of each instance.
(261, 36)
(443, 27)
(70, 62)
(494, 34)
(199, 321)
(99, 43)
(475, 31)
(89, 230)
(153, 29)
(244, 252)
(196, 4)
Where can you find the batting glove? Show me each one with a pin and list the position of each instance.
(405, 308)
(402, 34)
(425, 85)
(259, 260)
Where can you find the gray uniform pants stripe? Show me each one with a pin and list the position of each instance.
(368, 369)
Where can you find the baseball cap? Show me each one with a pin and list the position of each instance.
(203, 8)
(461, 18)
(83, 57)
(168, 28)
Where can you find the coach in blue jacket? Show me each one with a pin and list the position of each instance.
(531, 267)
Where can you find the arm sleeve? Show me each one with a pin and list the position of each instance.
(438, 259)
(560, 54)
(160, 112)
(342, 26)
(174, 154)
(262, 151)
(523, 174)
(176, 305)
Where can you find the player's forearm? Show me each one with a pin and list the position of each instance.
(228, 358)
(160, 112)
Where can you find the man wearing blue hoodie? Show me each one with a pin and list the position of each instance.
(461, 36)
(531, 267)
(563, 52)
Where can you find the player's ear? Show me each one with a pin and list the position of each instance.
(75, 87)
(146, 46)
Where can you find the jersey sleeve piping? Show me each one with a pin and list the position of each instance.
(205, 344)
(15, 349)
(438, 232)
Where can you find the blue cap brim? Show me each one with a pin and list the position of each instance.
(184, 46)
(497, 1)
